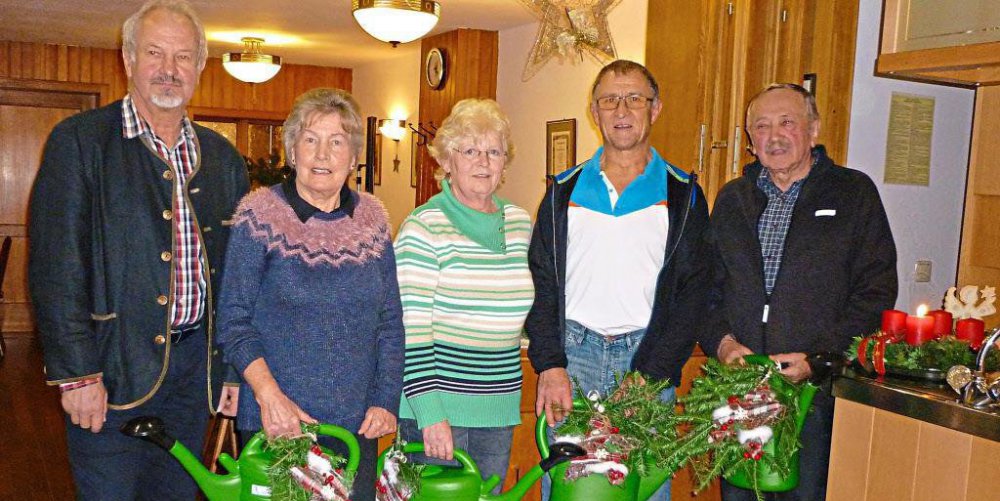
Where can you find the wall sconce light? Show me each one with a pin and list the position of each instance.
(251, 65)
(393, 129)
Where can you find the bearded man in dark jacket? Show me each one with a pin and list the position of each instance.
(128, 234)
(803, 260)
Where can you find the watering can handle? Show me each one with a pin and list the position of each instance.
(256, 444)
(468, 465)
(806, 391)
(541, 438)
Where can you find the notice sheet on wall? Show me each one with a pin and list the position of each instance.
(908, 146)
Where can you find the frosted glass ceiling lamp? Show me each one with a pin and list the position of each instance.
(250, 65)
(396, 21)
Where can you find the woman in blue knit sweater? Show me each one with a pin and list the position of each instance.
(309, 310)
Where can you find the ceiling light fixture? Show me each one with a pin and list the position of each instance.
(250, 65)
(396, 21)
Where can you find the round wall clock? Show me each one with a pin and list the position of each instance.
(435, 68)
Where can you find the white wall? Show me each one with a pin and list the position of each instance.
(926, 220)
(390, 88)
(557, 91)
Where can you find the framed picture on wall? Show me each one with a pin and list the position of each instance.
(414, 158)
(560, 145)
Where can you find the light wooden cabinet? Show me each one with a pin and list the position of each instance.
(952, 42)
(711, 57)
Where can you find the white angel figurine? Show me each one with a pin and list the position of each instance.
(967, 304)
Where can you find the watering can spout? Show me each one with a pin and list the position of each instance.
(559, 452)
(152, 429)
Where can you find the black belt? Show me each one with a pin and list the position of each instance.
(178, 334)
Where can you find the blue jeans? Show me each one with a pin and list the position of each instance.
(595, 362)
(111, 466)
(488, 447)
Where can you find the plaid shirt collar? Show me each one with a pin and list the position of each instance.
(133, 125)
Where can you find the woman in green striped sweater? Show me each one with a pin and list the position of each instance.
(465, 286)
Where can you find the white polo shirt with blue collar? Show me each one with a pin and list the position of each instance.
(616, 247)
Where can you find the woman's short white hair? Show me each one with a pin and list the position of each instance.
(130, 28)
(324, 101)
(470, 118)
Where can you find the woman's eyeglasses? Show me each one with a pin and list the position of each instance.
(473, 154)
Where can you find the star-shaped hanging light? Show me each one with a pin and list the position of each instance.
(570, 28)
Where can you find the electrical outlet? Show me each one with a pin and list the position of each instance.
(922, 271)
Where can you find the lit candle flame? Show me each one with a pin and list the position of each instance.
(922, 310)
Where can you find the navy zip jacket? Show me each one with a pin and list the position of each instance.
(681, 286)
(838, 271)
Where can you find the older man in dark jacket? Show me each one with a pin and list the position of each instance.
(128, 235)
(803, 260)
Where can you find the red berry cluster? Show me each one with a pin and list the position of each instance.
(755, 450)
(615, 477)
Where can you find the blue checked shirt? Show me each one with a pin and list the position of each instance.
(772, 228)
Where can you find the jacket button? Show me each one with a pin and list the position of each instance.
(159, 339)
(168, 175)
(212, 271)
(195, 190)
(161, 300)
(166, 255)
(206, 229)
(167, 214)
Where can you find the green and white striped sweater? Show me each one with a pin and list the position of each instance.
(466, 290)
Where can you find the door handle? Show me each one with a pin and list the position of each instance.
(701, 147)
(736, 149)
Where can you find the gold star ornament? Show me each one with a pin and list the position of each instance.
(569, 29)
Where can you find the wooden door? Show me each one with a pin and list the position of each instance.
(979, 256)
(29, 110)
(689, 49)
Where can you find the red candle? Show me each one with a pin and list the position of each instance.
(919, 328)
(972, 330)
(942, 322)
(893, 322)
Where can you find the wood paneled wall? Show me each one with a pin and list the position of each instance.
(217, 90)
(471, 72)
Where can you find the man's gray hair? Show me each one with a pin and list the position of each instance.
(324, 101)
(811, 109)
(131, 26)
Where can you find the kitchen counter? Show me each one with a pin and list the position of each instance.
(909, 440)
(923, 400)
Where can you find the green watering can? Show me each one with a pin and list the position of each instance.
(465, 483)
(596, 487)
(768, 480)
(247, 478)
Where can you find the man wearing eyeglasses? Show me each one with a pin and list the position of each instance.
(616, 256)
